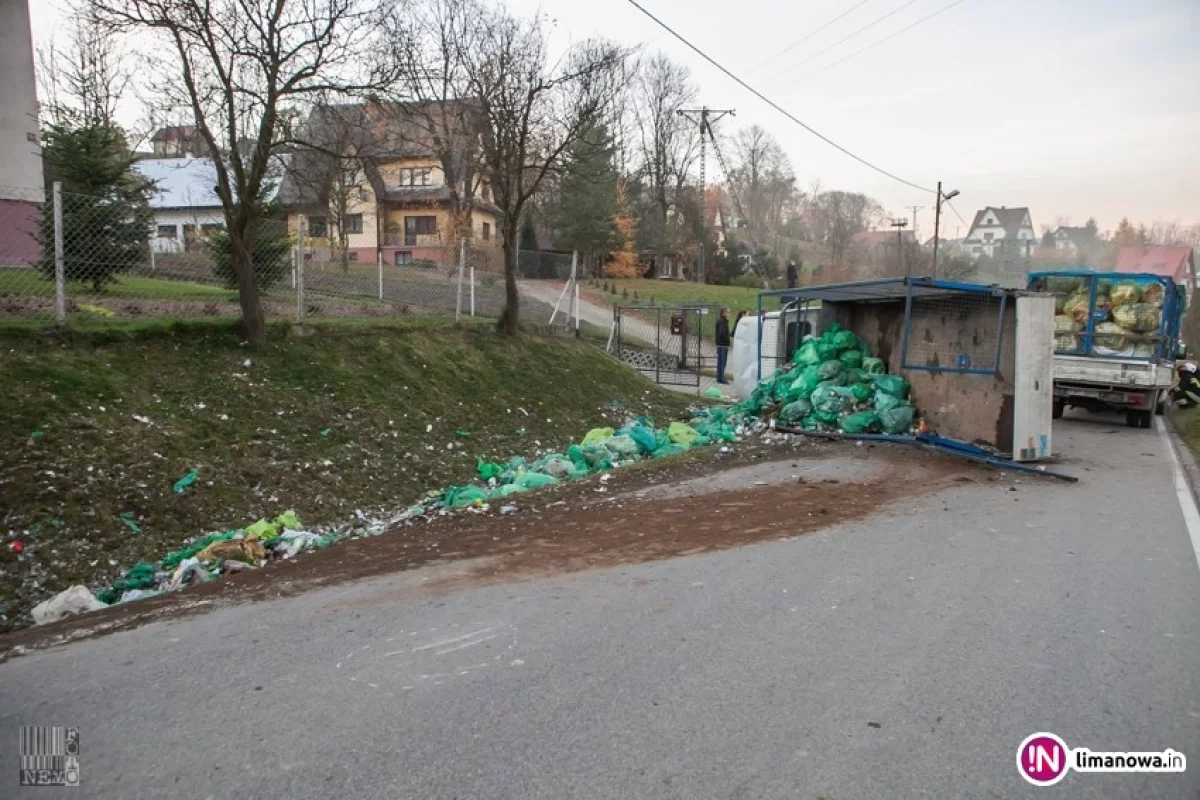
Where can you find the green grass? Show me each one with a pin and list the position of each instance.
(1186, 422)
(30, 283)
(674, 293)
(75, 456)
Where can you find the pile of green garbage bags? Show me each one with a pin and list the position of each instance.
(834, 384)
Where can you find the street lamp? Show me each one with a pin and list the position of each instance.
(937, 219)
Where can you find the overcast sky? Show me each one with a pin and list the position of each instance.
(1072, 108)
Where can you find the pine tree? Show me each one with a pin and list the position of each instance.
(106, 217)
(529, 240)
(584, 219)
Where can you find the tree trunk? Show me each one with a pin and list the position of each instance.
(254, 324)
(512, 301)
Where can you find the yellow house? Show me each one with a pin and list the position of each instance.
(386, 199)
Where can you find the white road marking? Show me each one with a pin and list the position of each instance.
(465, 644)
(452, 640)
(1187, 503)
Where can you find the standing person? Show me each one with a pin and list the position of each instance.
(793, 274)
(723, 342)
(738, 319)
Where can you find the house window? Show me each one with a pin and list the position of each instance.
(418, 226)
(976, 249)
(987, 237)
(416, 176)
(316, 226)
(354, 223)
(403, 258)
(487, 231)
(167, 231)
(352, 255)
(209, 228)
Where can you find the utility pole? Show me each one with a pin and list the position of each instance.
(704, 117)
(900, 225)
(937, 219)
(914, 210)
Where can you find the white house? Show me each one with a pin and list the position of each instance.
(1073, 240)
(21, 192)
(185, 203)
(1001, 231)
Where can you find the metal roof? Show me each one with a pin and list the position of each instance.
(884, 289)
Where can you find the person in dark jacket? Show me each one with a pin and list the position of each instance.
(793, 274)
(723, 342)
(1187, 393)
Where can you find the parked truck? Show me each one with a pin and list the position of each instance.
(1116, 338)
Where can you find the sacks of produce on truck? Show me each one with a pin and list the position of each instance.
(1109, 340)
(1076, 307)
(833, 383)
(1139, 317)
(1153, 294)
(1125, 293)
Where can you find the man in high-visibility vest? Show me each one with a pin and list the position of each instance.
(1187, 393)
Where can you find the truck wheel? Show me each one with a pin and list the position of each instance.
(1161, 406)
(1133, 419)
(1145, 419)
(1056, 411)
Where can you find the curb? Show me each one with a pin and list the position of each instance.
(1191, 469)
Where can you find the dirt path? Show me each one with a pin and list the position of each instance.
(634, 517)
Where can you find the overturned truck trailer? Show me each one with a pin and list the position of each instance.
(979, 358)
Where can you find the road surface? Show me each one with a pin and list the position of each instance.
(904, 654)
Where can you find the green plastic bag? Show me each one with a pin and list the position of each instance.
(669, 450)
(487, 469)
(827, 417)
(897, 420)
(811, 423)
(575, 453)
(534, 480)
(681, 433)
(845, 340)
(187, 480)
(622, 446)
(597, 435)
(459, 496)
(795, 411)
(885, 401)
(713, 393)
(857, 375)
(643, 437)
(873, 366)
(826, 399)
(862, 392)
(807, 381)
(851, 359)
(825, 348)
(806, 355)
(832, 370)
(893, 385)
(861, 422)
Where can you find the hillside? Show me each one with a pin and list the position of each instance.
(99, 426)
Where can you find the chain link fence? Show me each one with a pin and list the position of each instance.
(73, 256)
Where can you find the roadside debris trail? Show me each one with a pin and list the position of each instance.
(832, 384)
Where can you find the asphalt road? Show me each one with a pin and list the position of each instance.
(904, 655)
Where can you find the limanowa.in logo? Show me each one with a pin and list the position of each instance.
(1044, 759)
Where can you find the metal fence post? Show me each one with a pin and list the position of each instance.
(575, 284)
(60, 284)
(462, 258)
(472, 289)
(300, 222)
(380, 259)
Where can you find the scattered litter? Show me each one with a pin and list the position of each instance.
(247, 363)
(67, 603)
(130, 521)
(506, 510)
(187, 480)
(520, 431)
(17, 546)
(713, 393)
(462, 433)
(141, 419)
(91, 308)
(326, 431)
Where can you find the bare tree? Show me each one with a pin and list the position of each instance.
(234, 64)
(840, 216)
(83, 81)
(531, 110)
(668, 144)
(434, 43)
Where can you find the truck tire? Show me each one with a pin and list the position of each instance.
(1056, 410)
(1160, 407)
(1146, 419)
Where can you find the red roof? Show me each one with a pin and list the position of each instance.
(1170, 262)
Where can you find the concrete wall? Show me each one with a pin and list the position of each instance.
(971, 408)
(20, 153)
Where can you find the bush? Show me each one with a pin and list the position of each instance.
(271, 256)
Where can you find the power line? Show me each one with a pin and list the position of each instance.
(960, 219)
(772, 103)
(820, 53)
(884, 39)
(804, 39)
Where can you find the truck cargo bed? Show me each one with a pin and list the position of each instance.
(1115, 372)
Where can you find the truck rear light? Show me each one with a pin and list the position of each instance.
(1135, 399)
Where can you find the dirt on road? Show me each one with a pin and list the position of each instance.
(635, 516)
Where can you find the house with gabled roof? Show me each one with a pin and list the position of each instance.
(1001, 233)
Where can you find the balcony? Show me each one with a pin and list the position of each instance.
(401, 239)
